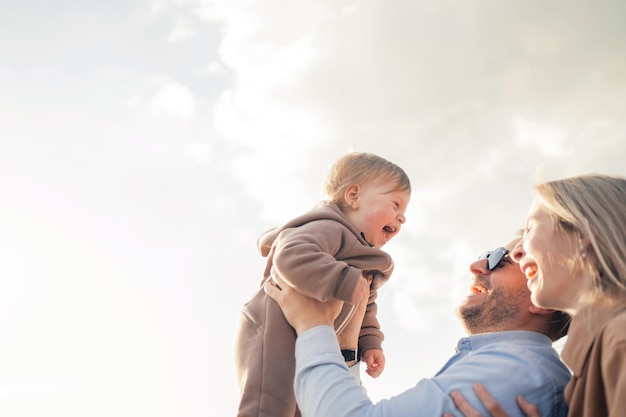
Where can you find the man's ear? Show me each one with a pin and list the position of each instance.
(351, 195)
(538, 310)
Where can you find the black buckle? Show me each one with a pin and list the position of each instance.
(349, 354)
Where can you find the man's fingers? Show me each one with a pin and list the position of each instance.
(463, 405)
(490, 403)
(527, 407)
(276, 278)
(273, 290)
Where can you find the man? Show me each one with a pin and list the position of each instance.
(509, 351)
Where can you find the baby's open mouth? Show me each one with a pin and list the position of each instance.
(388, 230)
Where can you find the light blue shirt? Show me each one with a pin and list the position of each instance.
(507, 363)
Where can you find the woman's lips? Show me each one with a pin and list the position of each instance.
(530, 271)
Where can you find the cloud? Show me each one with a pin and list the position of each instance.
(442, 81)
(550, 141)
(175, 100)
(182, 30)
(420, 67)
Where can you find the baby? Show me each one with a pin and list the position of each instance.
(332, 251)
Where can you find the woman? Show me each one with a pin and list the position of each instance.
(574, 257)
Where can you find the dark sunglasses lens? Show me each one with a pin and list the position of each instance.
(494, 257)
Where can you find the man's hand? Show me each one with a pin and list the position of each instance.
(301, 311)
(491, 404)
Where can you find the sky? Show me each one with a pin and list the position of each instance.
(145, 145)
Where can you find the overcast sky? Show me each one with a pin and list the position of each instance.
(146, 144)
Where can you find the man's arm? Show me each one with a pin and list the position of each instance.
(323, 384)
(324, 387)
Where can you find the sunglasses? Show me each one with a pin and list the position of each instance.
(494, 257)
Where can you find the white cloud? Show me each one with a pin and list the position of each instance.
(182, 30)
(550, 141)
(174, 99)
(205, 9)
(201, 152)
(214, 67)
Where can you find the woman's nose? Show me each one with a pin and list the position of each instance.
(518, 251)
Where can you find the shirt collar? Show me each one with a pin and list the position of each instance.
(479, 340)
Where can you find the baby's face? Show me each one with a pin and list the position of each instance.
(379, 214)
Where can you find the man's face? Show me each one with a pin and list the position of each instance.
(498, 299)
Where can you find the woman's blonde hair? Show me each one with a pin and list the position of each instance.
(592, 209)
(362, 168)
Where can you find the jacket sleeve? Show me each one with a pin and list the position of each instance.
(614, 369)
(371, 337)
(305, 259)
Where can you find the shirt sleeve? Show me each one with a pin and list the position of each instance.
(324, 386)
(506, 372)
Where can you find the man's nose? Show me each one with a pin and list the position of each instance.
(479, 267)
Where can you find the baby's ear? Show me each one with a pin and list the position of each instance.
(352, 195)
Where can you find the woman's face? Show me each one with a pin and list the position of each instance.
(546, 256)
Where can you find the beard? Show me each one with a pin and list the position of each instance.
(499, 309)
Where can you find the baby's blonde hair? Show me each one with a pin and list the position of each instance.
(362, 168)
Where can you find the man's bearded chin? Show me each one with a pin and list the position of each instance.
(495, 310)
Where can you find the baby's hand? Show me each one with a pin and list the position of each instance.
(375, 361)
